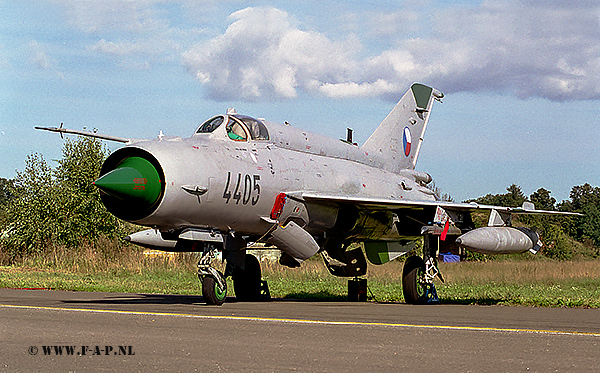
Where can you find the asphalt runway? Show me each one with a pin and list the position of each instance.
(142, 332)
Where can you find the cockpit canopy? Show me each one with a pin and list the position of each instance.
(238, 127)
(211, 124)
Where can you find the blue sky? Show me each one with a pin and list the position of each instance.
(521, 78)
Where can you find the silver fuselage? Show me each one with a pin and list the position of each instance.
(243, 178)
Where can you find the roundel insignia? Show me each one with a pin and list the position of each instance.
(407, 140)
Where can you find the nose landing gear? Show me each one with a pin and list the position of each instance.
(247, 281)
(214, 285)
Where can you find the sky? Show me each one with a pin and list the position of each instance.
(521, 78)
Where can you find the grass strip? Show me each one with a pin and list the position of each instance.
(512, 283)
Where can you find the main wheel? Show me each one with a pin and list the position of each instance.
(247, 281)
(211, 291)
(414, 290)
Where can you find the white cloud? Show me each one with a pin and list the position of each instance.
(530, 50)
(125, 47)
(136, 16)
(134, 33)
(392, 23)
(263, 55)
(38, 55)
(40, 58)
(351, 89)
(137, 54)
(527, 49)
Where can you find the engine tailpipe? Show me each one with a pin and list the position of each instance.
(500, 240)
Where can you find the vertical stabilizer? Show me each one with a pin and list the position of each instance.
(398, 138)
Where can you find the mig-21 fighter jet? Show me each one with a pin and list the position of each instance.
(240, 180)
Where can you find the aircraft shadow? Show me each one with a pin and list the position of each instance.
(136, 298)
(474, 301)
(320, 296)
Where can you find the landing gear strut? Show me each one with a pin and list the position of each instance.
(418, 275)
(214, 285)
(417, 282)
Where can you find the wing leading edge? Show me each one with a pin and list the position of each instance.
(443, 224)
(393, 204)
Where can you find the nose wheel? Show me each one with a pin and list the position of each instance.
(214, 285)
(214, 291)
(247, 281)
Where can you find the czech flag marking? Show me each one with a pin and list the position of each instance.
(406, 141)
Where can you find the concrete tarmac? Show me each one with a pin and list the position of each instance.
(78, 331)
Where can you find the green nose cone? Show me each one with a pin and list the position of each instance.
(135, 179)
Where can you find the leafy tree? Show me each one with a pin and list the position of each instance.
(586, 200)
(556, 242)
(554, 230)
(439, 193)
(514, 198)
(31, 211)
(584, 195)
(6, 187)
(85, 215)
(569, 225)
(58, 206)
(590, 224)
(542, 200)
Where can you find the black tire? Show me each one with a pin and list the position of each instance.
(247, 281)
(211, 292)
(415, 292)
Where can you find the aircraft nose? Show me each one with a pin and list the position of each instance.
(134, 180)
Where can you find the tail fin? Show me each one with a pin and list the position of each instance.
(398, 138)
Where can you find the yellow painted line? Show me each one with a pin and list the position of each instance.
(302, 321)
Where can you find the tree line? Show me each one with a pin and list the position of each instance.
(45, 206)
(563, 237)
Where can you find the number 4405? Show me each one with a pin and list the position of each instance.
(242, 188)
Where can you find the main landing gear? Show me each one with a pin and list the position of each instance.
(247, 281)
(418, 274)
(417, 281)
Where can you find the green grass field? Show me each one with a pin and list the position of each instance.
(509, 282)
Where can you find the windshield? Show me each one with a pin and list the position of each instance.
(239, 127)
(210, 125)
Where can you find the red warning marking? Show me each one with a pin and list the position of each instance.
(278, 206)
(445, 231)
